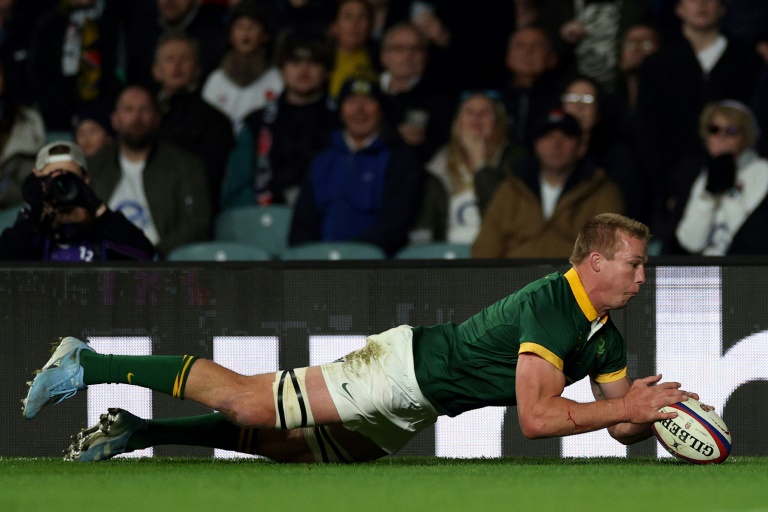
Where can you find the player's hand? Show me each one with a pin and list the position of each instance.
(691, 394)
(647, 396)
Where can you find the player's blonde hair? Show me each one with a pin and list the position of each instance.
(599, 234)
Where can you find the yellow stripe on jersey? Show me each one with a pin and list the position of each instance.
(581, 295)
(541, 352)
(611, 377)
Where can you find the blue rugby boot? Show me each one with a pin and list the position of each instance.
(59, 379)
(107, 438)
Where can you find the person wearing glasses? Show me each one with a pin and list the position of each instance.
(603, 146)
(726, 210)
(680, 79)
(640, 42)
(417, 102)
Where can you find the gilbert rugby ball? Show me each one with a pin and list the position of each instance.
(696, 435)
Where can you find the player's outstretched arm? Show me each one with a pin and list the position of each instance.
(543, 412)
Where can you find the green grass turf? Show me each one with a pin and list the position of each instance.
(409, 483)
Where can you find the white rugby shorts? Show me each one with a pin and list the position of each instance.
(376, 393)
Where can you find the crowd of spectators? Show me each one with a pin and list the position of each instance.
(500, 125)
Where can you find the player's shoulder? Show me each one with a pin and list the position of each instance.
(550, 283)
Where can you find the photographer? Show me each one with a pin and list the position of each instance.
(64, 220)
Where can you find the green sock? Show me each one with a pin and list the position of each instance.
(166, 374)
(212, 430)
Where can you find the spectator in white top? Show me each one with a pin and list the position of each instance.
(246, 80)
(727, 210)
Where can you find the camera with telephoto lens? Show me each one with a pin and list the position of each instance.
(61, 189)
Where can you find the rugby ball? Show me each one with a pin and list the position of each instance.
(696, 435)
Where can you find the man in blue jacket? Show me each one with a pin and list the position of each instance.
(367, 186)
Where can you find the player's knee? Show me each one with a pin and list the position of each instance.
(249, 403)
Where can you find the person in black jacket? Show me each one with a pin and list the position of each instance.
(679, 80)
(187, 120)
(74, 59)
(277, 143)
(65, 220)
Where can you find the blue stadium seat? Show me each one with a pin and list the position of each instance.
(53, 136)
(218, 251)
(435, 251)
(335, 251)
(8, 216)
(266, 227)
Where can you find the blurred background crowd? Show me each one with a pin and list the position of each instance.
(132, 129)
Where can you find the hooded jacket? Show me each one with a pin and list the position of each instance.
(514, 225)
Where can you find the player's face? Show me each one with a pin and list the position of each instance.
(623, 275)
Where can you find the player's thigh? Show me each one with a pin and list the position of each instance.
(323, 408)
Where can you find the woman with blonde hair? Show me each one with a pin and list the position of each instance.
(463, 174)
(726, 211)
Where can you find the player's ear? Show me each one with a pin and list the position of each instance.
(595, 261)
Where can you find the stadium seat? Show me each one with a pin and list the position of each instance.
(434, 251)
(218, 251)
(334, 251)
(63, 135)
(266, 227)
(8, 216)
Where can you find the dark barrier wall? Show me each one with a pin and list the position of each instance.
(703, 325)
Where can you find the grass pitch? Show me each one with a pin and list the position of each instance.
(408, 483)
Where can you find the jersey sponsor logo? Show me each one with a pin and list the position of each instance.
(344, 387)
(129, 377)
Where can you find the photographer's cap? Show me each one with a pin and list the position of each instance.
(63, 151)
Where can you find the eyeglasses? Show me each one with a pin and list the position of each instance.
(646, 45)
(728, 131)
(573, 97)
(488, 93)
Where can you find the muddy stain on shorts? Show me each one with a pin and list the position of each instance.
(364, 356)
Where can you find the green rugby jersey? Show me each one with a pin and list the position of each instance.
(472, 365)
